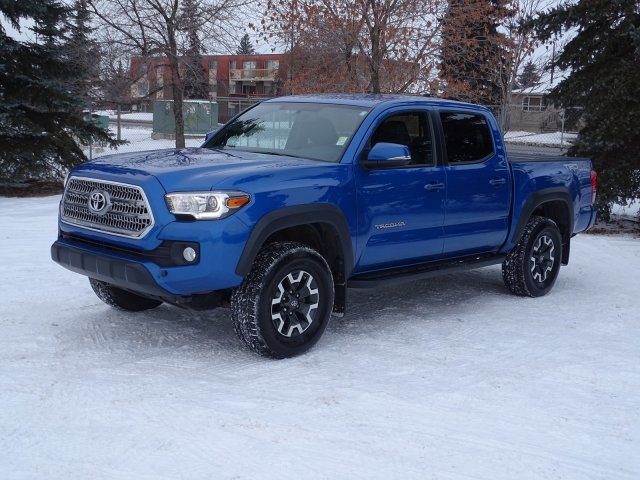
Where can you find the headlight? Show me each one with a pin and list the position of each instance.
(206, 205)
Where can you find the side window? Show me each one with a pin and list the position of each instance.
(411, 129)
(467, 137)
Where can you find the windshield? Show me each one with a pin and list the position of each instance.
(318, 131)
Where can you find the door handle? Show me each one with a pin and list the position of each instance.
(497, 181)
(434, 186)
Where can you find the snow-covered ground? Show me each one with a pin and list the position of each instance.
(139, 140)
(551, 139)
(450, 378)
(137, 116)
(631, 210)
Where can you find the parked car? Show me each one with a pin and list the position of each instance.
(298, 199)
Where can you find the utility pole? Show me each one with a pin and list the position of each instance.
(291, 63)
(553, 61)
(118, 122)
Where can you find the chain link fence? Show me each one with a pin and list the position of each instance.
(538, 125)
(531, 125)
(136, 127)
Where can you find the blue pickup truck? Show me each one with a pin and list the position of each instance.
(299, 198)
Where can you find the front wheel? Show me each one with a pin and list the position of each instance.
(532, 267)
(283, 306)
(121, 299)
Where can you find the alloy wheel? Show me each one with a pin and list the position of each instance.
(295, 303)
(542, 258)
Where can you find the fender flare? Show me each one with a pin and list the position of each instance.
(539, 198)
(295, 216)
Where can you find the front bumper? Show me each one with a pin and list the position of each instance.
(126, 274)
(153, 265)
(219, 245)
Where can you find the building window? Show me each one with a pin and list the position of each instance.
(533, 104)
(213, 89)
(159, 75)
(249, 65)
(140, 88)
(271, 89)
(272, 64)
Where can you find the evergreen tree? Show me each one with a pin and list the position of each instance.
(529, 76)
(474, 55)
(83, 53)
(245, 47)
(603, 60)
(195, 78)
(41, 119)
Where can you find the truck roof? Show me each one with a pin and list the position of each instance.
(372, 100)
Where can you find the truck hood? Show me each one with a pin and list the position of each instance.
(194, 168)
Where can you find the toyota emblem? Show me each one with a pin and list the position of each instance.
(99, 202)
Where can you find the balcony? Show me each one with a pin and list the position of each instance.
(253, 74)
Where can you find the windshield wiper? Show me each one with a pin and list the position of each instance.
(280, 154)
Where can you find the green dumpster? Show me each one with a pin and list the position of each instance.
(200, 117)
(101, 121)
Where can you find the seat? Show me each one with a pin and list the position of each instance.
(393, 131)
(312, 131)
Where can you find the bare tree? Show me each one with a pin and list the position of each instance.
(374, 45)
(115, 79)
(522, 39)
(159, 28)
(399, 35)
(281, 26)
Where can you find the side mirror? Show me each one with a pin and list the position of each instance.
(388, 155)
(210, 134)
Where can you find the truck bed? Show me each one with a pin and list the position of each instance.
(534, 157)
(527, 153)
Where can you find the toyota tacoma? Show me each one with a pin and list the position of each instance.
(300, 198)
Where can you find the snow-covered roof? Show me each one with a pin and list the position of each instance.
(531, 91)
(545, 85)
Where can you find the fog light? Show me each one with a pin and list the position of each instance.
(189, 254)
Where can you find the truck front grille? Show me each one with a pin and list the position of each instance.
(116, 208)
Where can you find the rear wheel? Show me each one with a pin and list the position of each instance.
(283, 306)
(121, 299)
(532, 267)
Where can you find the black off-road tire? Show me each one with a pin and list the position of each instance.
(121, 299)
(259, 298)
(531, 268)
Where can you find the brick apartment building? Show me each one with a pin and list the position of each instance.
(229, 76)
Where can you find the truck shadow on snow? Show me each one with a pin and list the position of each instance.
(430, 300)
(203, 334)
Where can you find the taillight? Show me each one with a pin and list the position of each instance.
(594, 186)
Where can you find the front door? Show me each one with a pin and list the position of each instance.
(401, 209)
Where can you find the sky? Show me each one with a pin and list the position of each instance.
(541, 56)
(23, 34)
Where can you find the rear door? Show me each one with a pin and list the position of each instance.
(478, 195)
